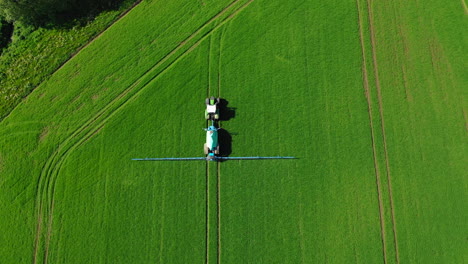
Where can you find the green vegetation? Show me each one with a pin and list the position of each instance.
(34, 54)
(6, 30)
(421, 68)
(35, 12)
(369, 104)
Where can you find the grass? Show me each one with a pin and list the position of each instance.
(323, 206)
(34, 54)
(144, 212)
(294, 73)
(422, 104)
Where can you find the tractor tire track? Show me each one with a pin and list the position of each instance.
(365, 77)
(207, 179)
(219, 62)
(46, 182)
(207, 209)
(218, 170)
(38, 232)
(214, 86)
(51, 190)
(382, 120)
(209, 70)
(218, 202)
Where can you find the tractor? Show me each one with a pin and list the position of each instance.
(212, 109)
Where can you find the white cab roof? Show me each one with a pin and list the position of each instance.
(211, 108)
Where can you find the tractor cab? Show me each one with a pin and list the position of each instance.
(212, 109)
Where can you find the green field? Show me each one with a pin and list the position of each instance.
(367, 94)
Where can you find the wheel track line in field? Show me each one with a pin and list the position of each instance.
(51, 190)
(219, 63)
(374, 150)
(163, 221)
(382, 120)
(218, 172)
(240, 9)
(49, 232)
(207, 220)
(49, 166)
(207, 179)
(38, 231)
(465, 7)
(209, 69)
(79, 49)
(48, 191)
(218, 202)
(214, 70)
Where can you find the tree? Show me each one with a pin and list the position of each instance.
(38, 12)
(6, 29)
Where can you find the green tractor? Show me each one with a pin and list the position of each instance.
(212, 109)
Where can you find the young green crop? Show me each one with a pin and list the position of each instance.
(369, 105)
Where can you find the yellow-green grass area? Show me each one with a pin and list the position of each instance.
(379, 174)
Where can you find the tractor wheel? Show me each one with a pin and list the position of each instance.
(205, 149)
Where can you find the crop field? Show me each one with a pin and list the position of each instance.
(367, 94)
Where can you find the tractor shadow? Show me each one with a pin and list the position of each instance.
(225, 143)
(226, 112)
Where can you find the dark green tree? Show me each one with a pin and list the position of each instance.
(6, 29)
(39, 12)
